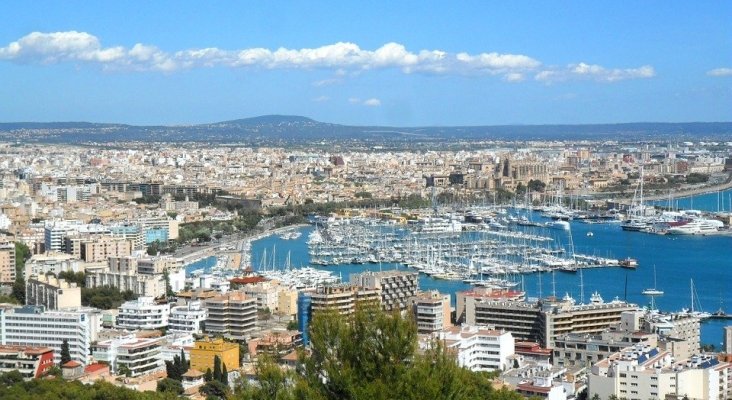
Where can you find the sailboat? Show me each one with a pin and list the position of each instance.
(653, 291)
(696, 310)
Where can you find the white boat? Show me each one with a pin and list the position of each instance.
(700, 226)
(653, 291)
(558, 224)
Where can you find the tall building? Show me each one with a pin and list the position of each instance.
(304, 313)
(431, 311)
(142, 276)
(727, 340)
(101, 248)
(7, 262)
(204, 352)
(396, 287)
(143, 313)
(33, 326)
(140, 356)
(232, 315)
(341, 298)
(51, 292)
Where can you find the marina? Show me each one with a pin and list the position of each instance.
(677, 258)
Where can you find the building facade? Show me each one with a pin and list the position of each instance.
(204, 352)
(139, 356)
(431, 311)
(31, 362)
(7, 262)
(189, 318)
(143, 313)
(396, 287)
(232, 315)
(51, 292)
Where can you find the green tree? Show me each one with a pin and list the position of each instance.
(208, 376)
(168, 385)
(292, 325)
(123, 369)
(225, 376)
(19, 289)
(217, 369)
(215, 389)
(65, 354)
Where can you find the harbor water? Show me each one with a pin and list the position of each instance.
(678, 260)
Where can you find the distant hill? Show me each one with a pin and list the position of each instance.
(273, 129)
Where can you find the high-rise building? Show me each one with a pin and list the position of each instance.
(396, 287)
(431, 311)
(304, 313)
(341, 298)
(33, 326)
(232, 315)
(7, 262)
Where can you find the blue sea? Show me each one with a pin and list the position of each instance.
(716, 201)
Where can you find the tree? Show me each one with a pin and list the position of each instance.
(168, 385)
(292, 325)
(536, 185)
(225, 376)
(217, 369)
(215, 389)
(123, 369)
(19, 289)
(208, 377)
(65, 354)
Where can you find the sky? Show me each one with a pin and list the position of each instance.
(398, 63)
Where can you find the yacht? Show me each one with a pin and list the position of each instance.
(699, 226)
(558, 224)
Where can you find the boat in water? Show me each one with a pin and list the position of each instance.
(700, 226)
(653, 291)
(630, 263)
(558, 225)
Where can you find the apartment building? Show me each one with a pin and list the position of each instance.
(34, 326)
(101, 248)
(143, 313)
(144, 277)
(187, 318)
(477, 348)
(266, 293)
(7, 262)
(232, 315)
(51, 292)
(31, 362)
(53, 262)
(396, 287)
(545, 321)
(576, 349)
(431, 311)
(140, 356)
(645, 372)
(341, 298)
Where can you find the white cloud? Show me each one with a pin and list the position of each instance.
(720, 72)
(372, 102)
(321, 99)
(594, 72)
(343, 58)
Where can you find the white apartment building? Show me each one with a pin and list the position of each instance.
(140, 355)
(479, 348)
(51, 292)
(188, 318)
(144, 277)
(33, 326)
(644, 372)
(143, 313)
(54, 262)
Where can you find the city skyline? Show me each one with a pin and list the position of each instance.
(398, 65)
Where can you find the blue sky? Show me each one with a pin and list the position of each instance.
(390, 63)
